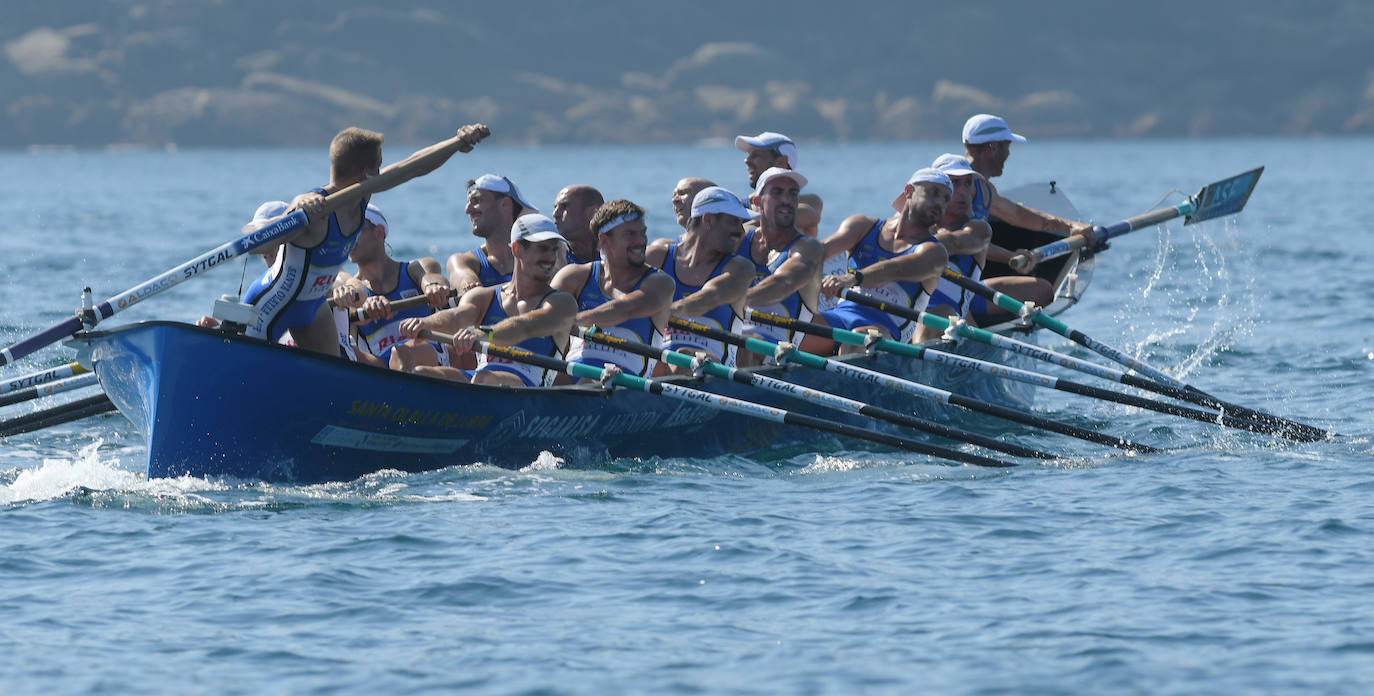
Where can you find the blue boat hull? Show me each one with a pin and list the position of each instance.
(211, 404)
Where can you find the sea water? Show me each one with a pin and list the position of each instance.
(1231, 563)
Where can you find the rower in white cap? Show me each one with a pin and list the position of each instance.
(769, 149)
(493, 204)
(525, 312)
(711, 278)
(787, 263)
(987, 142)
(896, 259)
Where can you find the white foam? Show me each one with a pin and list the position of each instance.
(56, 477)
(546, 461)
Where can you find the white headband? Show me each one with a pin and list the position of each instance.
(617, 221)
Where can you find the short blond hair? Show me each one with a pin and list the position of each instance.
(354, 151)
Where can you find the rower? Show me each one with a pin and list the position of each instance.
(987, 142)
(382, 280)
(711, 278)
(964, 239)
(493, 205)
(524, 312)
(618, 293)
(684, 193)
(787, 263)
(896, 259)
(572, 211)
(291, 295)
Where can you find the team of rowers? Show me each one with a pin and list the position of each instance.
(533, 277)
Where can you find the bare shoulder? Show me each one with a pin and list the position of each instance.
(657, 251)
(571, 277)
(739, 264)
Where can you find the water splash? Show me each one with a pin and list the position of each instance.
(87, 472)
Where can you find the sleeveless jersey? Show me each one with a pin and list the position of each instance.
(289, 294)
(792, 306)
(981, 202)
(722, 317)
(901, 292)
(640, 329)
(486, 274)
(379, 335)
(947, 293)
(531, 375)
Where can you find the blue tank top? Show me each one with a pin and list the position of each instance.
(379, 335)
(639, 329)
(539, 345)
(721, 317)
(950, 294)
(486, 274)
(981, 202)
(868, 252)
(288, 295)
(792, 305)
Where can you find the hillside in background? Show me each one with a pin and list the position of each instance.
(201, 72)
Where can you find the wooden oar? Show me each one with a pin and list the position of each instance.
(34, 379)
(763, 347)
(49, 388)
(797, 391)
(66, 413)
(423, 161)
(733, 405)
(357, 315)
(1037, 379)
(1214, 200)
(1174, 387)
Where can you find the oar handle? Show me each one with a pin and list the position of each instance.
(357, 315)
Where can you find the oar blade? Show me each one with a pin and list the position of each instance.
(1224, 197)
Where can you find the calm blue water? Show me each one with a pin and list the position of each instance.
(1233, 563)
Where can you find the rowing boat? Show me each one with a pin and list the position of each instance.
(211, 403)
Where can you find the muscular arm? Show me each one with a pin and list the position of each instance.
(922, 265)
(851, 231)
(463, 269)
(652, 298)
(429, 277)
(553, 318)
(971, 239)
(802, 267)
(809, 214)
(727, 288)
(468, 312)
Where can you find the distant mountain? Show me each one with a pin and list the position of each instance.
(253, 72)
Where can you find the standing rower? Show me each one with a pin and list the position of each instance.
(711, 278)
(618, 293)
(524, 312)
(291, 295)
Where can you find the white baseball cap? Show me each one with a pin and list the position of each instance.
(268, 211)
(535, 228)
(953, 165)
(500, 184)
(768, 140)
(374, 216)
(775, 172)
(986, 128)
(927, 175)
(715, 199)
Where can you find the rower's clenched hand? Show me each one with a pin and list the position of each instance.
(377, 307)
(832, 285)
(470, 135)
(1086, 231)
(311, 203)
(349, 295)
(412, 327)
(464, 339)
(437, 293)
(1030, 261)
